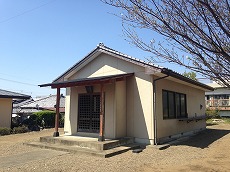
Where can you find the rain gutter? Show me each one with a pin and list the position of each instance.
(154, 107)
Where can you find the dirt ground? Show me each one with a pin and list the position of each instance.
(208, 151)
(214, 146)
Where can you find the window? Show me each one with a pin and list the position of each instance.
(174, 105)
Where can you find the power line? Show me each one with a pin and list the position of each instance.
(27, 11)
(18, 82)
(27, 91)
(18, 76)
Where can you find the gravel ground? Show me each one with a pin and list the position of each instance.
(208, 151)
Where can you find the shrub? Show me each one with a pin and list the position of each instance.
(35, 121)
(5, 131)
(61, 119)
(212, 114)
(48, 116)
(15, 122)
(31, 123)
(22, 129)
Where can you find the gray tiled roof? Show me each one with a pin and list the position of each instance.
(17, 104)
(10, 94)
(47, 102)
(101, 48)
(19, 110)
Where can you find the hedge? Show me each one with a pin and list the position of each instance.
(212, 114)
(48, 116)
(35, 120)
(4, 131)
(15, 130)
(22, 129)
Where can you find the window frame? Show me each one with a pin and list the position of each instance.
(177, 113)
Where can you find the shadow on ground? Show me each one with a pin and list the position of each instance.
(205, 138)
(211, 124)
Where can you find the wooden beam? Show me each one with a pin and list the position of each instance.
(88, 81)
(102, 115)
(56, 133)
(80, 83)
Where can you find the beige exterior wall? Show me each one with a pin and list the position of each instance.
(195, 98)
(139, 107)
(71, 109)
(105, 65)
(135, 119)
(5, 112)
(129, 103)
(120, 109)
(71, 112)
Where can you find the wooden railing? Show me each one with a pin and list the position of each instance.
(218, 103)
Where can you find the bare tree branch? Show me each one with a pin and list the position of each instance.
(200, 28)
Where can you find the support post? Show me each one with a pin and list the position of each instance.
(102, 115)
(56, 133)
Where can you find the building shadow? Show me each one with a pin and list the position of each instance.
(205, 138)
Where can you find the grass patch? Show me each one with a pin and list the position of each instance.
(217, 121)
(226, 120)
(210, 122)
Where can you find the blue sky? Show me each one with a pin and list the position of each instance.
(40, 39)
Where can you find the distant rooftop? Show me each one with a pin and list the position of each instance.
(10, 94)
(215, 85)
(18, 103)
(46, 103)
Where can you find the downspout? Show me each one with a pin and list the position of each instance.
(155, 109)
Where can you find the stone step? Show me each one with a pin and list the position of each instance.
(87, 151)
(91, 143)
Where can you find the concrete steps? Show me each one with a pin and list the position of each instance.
(86, 143)
(73, 144)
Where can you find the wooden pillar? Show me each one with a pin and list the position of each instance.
(102, 115)
(56, 133)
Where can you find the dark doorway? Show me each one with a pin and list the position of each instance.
(89, 113)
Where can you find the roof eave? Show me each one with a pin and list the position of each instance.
(15, 97)
(185, 79)
(77, 64)
(103, 49)
(87, 81)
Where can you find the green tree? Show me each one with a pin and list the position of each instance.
(191, 75)
(200, 28)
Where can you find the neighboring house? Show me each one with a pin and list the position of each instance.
(6, 104)
(112, 95)
(17, 104)
(44, 103)
(219, 99)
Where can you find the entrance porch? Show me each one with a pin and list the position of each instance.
(95, 107)
(86, 145)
